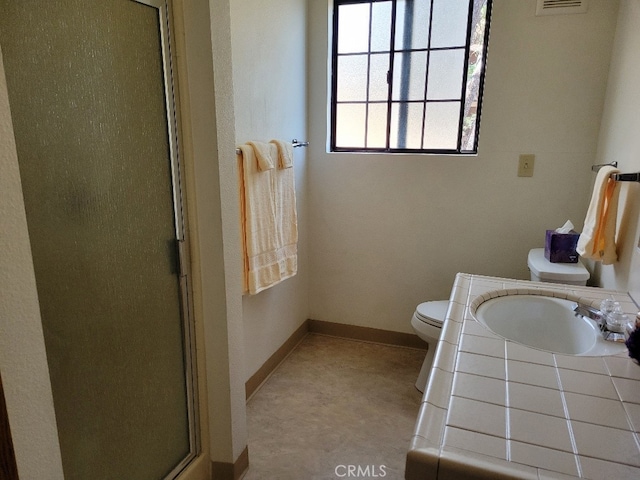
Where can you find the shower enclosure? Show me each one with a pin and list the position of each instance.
(92, 104)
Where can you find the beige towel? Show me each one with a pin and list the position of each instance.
(257, 208)
(285, 153)
(286, 215)
(264, 154)
(268, 218)
(597, 240)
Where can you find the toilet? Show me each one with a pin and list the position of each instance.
(428, 318)
(542, 270)
(427, 322)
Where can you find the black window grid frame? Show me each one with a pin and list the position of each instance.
(389, 101)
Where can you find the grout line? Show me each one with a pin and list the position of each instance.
(572, 438)
(507, 408)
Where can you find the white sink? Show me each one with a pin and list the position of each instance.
(545, 323)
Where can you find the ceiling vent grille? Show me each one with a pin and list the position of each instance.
(561, 7)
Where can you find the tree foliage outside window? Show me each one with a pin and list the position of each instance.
(407, 75)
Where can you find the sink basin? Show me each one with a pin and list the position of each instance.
(545, 323)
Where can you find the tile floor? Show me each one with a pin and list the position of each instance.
(333, 405)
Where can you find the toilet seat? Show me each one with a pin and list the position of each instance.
(432, 313)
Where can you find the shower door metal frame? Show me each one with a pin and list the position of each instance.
(182, 246)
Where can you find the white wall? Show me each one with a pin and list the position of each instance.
(387, 232)
(269, 74)
(619, 141)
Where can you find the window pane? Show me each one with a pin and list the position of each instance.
(406, 125)
(469, 128)
(441, 125)
(449, 23)
(475, 67)
(377, 126)
(378, 87)
(414, 22)
(381, 27)
(433, 100)
(445, 74)
(350, 122)
(352, 78)
(353, 28)
(409, 73)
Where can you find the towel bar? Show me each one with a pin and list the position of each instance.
(294, 143)
(626, 177)
(618, 177)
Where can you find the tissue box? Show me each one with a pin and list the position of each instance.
(561, 247)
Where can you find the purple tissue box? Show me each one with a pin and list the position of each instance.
(561, 247)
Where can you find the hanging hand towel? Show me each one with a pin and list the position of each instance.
(597, 240)
(258, 220)
(264, 154)
(285, 153)
(286, 216)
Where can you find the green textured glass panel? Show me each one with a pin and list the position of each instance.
(86, 90)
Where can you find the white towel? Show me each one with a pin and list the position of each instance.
(268, 218)
(285, 153)
(597, 240)
(257, 209)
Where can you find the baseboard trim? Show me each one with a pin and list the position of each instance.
(258, 378)
(367, 334)
(231, 471)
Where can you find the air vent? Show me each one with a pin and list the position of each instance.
(561, 7)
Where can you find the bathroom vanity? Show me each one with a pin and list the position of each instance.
(494, 408)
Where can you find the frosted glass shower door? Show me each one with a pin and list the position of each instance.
(92, 105)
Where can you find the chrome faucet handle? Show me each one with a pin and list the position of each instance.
(612, 324)
(593, 313)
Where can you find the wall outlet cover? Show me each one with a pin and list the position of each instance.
(525, 165)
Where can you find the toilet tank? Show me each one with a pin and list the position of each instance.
(542, 270)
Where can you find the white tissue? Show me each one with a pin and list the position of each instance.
(566, 228)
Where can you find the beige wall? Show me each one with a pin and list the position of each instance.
(269, 75)
(388, 232)
(208, 119)
(619, 141)
(23, 363)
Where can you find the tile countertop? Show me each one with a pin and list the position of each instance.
(496, 409)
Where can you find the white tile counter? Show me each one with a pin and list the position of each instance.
(497, 409)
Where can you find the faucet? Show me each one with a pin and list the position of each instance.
(609, 333)
(592, 313)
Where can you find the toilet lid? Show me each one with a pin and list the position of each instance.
(433, 313)
(544, 269)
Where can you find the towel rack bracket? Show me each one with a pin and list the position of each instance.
(595, 168)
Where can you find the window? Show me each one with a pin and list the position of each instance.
(407, 75)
